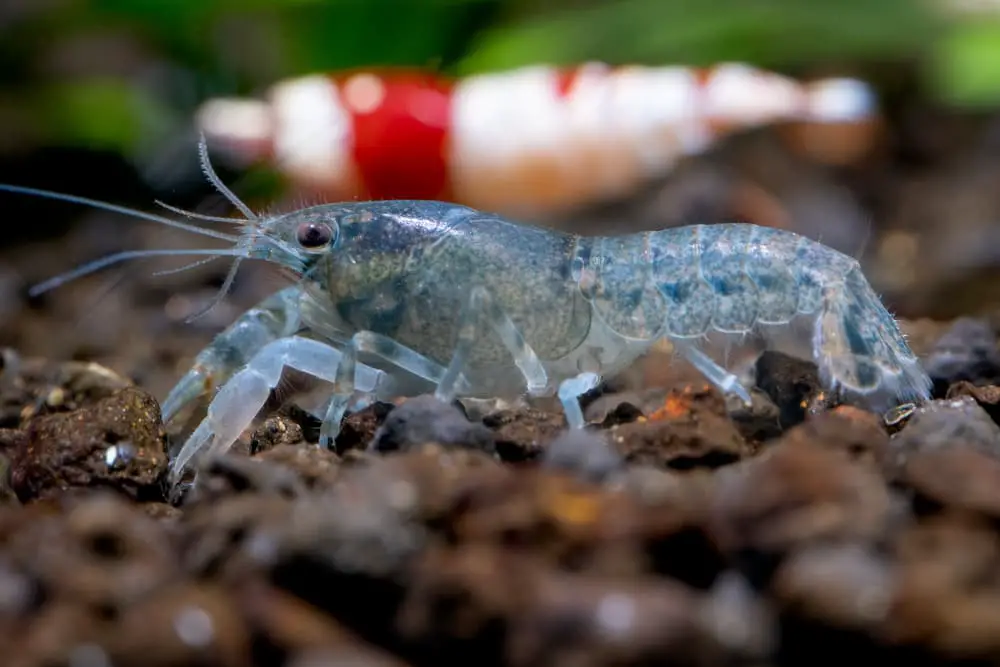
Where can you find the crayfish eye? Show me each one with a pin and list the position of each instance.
(314, 235)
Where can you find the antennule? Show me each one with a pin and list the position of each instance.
(197, 216)
(220, 295)
(206, 166)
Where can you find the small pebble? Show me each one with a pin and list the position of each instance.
(425, 419)
(940, 424)
(967, 351)
(584, 453)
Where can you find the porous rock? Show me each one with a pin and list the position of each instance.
(117, 443)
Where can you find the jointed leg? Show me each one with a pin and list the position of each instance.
(344, 383)
(450, 380)
(716, 374)
(271, 319)
(481, 306)
(241, 398)
(570, 392)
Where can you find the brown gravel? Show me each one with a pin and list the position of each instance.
(667, 535)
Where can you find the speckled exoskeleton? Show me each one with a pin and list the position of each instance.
(398, 298)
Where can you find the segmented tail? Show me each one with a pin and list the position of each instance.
(860, 349)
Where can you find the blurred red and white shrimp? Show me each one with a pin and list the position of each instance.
(533, 141)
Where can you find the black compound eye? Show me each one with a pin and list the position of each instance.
(312, 235)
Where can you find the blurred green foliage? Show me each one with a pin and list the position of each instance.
(965, 69)
(166, 55)
(770, 33)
